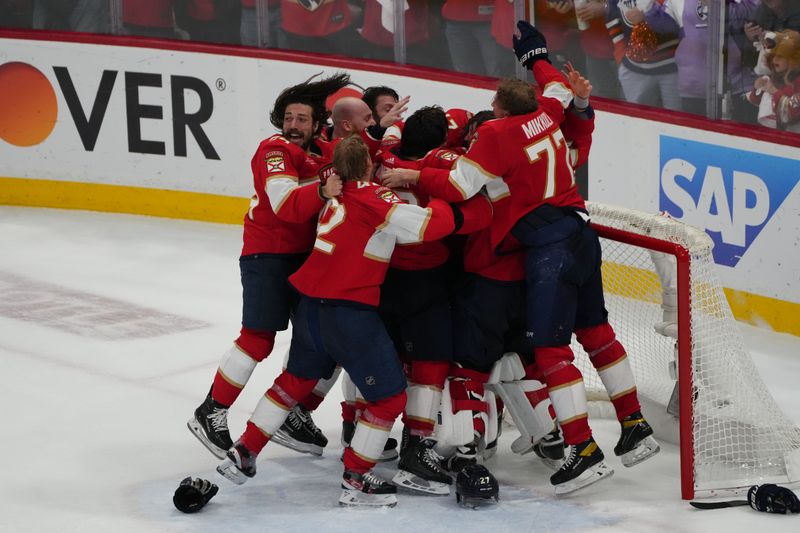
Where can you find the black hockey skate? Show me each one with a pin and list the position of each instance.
(367, 490)
(476, 486)
(299, 432)
(584, 466)
(389, 452)
(420, 470)
(210, 425)
(636, 443)
(239, 464)
(550, 449)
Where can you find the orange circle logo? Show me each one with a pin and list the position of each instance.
(28, 105)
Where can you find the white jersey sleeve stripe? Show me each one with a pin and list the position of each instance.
(406, 222)
(469, 177)
(558, 91)
(278, 189)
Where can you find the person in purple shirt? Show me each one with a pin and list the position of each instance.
(692, 60)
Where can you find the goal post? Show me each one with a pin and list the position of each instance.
(732, 432)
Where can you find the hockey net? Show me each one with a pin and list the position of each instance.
(697, 376)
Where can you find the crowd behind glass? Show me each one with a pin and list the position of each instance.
(724, 59)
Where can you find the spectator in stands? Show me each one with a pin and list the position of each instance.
(74, 15)
(216, 21)
(770, 16)
(504, 23)
(248, 28)
(467, 27)
(149, 18)
(556, 19)
(645, 34)
(692, 60)
(596, 43)
(378, 31)
(319, 26)
(777, 95)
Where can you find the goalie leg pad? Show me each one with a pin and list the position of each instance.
(529, 405)
(464, 412)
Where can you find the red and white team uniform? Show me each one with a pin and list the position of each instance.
(495, 161)
(363, 252)
(281, 170)
(423, 255)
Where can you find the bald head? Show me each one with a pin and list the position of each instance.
(350, 115)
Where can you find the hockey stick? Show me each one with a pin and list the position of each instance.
(718, 505)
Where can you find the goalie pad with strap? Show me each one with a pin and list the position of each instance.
(465, 411)
(526, 399)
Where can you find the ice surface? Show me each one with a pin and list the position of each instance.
(95, 439)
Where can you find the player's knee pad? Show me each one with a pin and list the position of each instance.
(255, 343)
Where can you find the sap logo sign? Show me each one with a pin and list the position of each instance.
(732, 194)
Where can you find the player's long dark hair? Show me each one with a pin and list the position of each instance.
(424, 130)
(310, 93)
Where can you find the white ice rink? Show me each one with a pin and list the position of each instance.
(111, 328)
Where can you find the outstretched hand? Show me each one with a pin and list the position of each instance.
(580, 85)
(395, 113)
(530, 46)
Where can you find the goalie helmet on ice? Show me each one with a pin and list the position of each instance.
(476, 485)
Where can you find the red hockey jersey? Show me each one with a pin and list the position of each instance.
(522, 160)
(315, 18)
(282, 214)
(356, 236)
(423, 255)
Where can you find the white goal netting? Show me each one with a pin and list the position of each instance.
(739, 436)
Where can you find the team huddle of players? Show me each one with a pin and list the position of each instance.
(444, 263)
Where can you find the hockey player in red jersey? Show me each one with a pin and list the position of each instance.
(524, 162)
(273, 247)
(337, 322)
(415, 305)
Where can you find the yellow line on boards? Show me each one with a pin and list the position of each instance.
(763, 311)
(123, 199)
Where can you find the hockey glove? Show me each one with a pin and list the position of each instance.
(530, 46)
(771, 498)
(193, 494)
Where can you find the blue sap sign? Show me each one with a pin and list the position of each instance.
(732, 194)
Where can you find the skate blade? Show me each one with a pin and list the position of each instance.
(356, 498)
(476, 503)
(228, 470)
(407, 480)
(592, 475)
(197, 431)
(645, 450)
(303, 447)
